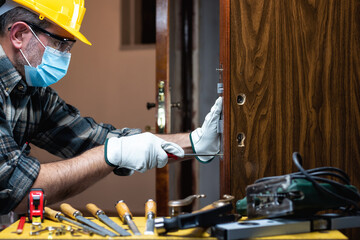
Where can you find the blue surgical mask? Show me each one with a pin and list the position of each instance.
(53, 67)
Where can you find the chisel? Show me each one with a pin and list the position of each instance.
(150, 213)
(77, 215)
(59, 217)
(126, 216)
(100, 214)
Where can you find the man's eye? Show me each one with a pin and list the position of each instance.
(58, 44)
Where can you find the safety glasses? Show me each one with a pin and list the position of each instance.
(62, 44)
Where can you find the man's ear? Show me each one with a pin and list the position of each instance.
(19, 34)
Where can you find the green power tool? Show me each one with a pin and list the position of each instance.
(299, 194)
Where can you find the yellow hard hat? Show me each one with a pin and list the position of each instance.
(68, 14)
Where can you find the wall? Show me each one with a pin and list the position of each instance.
(208, 78)
(112, 86)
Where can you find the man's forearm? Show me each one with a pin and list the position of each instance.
(63, 179)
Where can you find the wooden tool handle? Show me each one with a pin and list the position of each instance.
(69, 210)
(122, 209)
(150, 206)
(51, 214)
(93, 209)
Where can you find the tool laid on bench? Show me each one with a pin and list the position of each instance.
(299, 194)
(100, 214)
(205, 219)
(176, 205)
(36, 204)
(20, 227)
(290, 204)
(279, 226)
(126, 216)
(150, 213)
(59, 217)
(76, 214)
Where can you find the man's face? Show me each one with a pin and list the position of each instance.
(34, 50)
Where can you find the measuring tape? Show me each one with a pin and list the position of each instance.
(36, 206)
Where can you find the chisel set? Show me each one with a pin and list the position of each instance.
(77, 224)
(74, 223)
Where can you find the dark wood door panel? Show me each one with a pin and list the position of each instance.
(298, 64)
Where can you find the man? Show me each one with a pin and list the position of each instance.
(36, 38)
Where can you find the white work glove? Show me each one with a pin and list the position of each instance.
(207, 139)
(139, 152)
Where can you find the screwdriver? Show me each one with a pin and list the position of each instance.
(191, 155)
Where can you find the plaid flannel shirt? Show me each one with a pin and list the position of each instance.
(38, 116)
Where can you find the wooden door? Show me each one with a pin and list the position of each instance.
(291, 83)
(162, 75)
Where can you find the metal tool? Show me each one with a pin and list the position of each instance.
(204, 219)
(126, 216)
(62, 230)
(186, 155)
(36, 203)
(279, 226)
(287, 195)
(100, 214)
(175, 205)
(150, 213)
(59, 217)
(219, 203)
(76, 214)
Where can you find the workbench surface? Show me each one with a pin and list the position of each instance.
(9, 233)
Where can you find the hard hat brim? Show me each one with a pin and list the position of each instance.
(77, 35)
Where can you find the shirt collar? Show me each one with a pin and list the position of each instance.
(9, 76)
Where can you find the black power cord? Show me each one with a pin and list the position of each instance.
(350, 197)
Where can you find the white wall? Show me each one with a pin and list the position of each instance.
(112, 86)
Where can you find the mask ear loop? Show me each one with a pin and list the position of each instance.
(37, 38)
(25, 57)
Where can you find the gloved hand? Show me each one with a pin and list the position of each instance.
(207, 139)
(139, 152)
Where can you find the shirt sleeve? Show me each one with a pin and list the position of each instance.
(17, 171)
(65, 133)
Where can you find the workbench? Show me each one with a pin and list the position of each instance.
(9, 233)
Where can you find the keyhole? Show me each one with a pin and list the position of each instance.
(241, 140)
(241, 99)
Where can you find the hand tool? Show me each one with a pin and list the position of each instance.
(59, 217)
(150, 213)
(221, 202)
(20, 227)
(204, 219)
(100, 214)
(76, 214)
(175, 205)
(126, 216)
(36, 204)
(190, 155)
